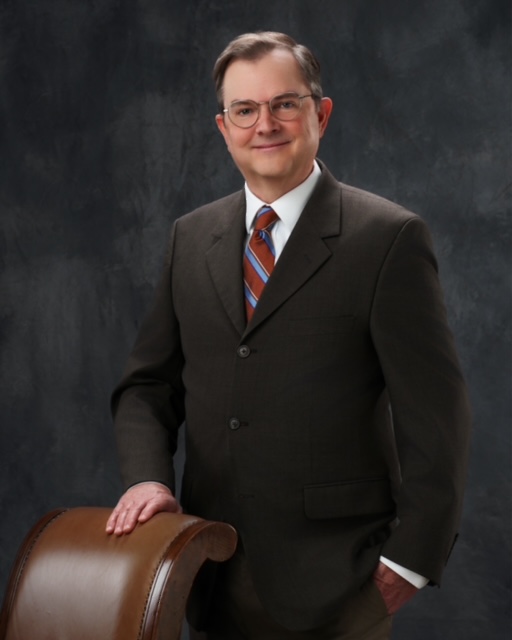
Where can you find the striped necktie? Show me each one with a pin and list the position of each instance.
(259, 258)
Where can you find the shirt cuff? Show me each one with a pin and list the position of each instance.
(414, 578)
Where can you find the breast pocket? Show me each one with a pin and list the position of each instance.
(320, 325)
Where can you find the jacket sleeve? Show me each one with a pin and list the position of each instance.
(147, 404)
(429, 403)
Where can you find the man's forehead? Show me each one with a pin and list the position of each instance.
(273, 73)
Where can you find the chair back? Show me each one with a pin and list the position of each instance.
(72, 581)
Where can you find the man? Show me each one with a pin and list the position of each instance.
(326, 414)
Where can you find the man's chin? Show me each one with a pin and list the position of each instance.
(272, 168)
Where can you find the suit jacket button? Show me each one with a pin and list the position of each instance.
(234, 424)
(243, 351)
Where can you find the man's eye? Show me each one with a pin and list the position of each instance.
(286, 105)
(243, 111)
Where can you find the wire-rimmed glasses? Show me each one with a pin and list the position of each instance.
(284, 107)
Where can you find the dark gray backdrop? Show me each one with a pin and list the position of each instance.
(107, 134)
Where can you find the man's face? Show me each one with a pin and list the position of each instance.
(273, 156)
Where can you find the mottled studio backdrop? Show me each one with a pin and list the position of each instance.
(107, 134)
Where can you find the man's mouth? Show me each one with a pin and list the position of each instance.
(271, 145)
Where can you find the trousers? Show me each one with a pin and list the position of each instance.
(237, 613)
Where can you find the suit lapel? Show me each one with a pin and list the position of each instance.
(306, 251)
(224, 258)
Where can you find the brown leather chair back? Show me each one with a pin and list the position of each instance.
(72, 581)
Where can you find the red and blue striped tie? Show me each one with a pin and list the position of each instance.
(259, 258)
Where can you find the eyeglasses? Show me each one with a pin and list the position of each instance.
(245, 113)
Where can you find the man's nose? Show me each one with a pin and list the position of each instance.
(266, 121)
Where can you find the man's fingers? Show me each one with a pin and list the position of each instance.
(115, 523)
(131, 518)
(158, 504)
(126, 519)
(111, 522)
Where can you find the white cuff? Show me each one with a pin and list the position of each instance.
(414, 578)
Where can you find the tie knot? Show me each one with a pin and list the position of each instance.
(265, 218)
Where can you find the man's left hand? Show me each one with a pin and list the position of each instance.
(395, 590)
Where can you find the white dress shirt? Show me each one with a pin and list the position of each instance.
(288, 208)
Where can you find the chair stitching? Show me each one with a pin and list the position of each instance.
(164, 554)
(26, 557)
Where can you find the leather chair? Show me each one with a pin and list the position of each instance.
(72, 581)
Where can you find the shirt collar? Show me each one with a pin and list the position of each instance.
(288, 207)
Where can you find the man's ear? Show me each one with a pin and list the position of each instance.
(324, 113)
(221, 125)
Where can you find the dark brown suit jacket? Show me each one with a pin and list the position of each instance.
(295, 421)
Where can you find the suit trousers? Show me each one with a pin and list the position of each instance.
(237, 613)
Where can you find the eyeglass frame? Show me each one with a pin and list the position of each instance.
(258, 105)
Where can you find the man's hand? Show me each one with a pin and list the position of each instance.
(395, 590)
(139, 504)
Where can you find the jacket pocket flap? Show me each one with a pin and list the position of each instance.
(348, 499)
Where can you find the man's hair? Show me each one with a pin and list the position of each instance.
(253, 46)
